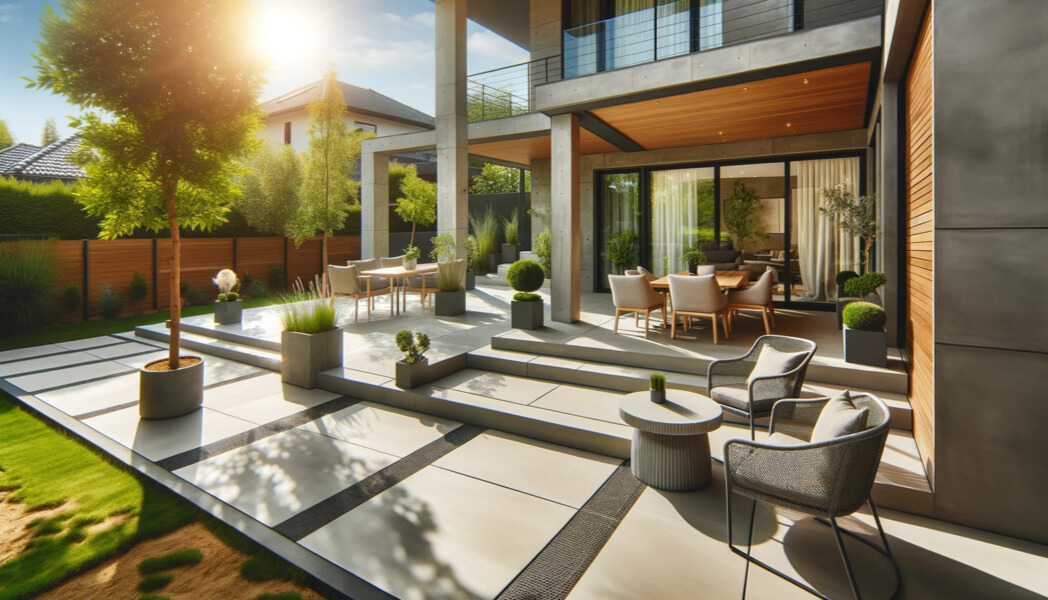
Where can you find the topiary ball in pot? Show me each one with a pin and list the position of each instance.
(843, 278)
(525, 276)
(864, 316)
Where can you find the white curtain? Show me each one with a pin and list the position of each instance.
(675, 217)
(822, 248)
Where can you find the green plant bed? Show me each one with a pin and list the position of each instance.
(182, 558)
(154, 582)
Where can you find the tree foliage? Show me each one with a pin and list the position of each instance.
(50, 134)
(272, 184)
(856, 216)
(418, 202)
(740, 214)
(5, 135)
(496, 179)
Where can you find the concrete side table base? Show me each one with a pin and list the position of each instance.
(671, 462)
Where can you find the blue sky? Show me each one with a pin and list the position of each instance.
(386, 45)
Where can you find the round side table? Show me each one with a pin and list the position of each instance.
(671, 449)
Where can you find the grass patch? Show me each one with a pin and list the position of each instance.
(182, 558)
(266, 566)
(154, 582)
(47, 469)
(88, 329)
(281, 596)
(153, 597)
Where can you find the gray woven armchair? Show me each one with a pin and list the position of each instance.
(729, 384)
(826, 479)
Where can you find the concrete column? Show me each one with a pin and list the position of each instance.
(374, 204)
(539, 197)
(565, 216)
(888, 189)
(452, 135)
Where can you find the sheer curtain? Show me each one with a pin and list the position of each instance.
(674, 217)
(822, 248)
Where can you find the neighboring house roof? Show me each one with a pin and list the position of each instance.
(12, 155)
(47, 163)
(358, 99)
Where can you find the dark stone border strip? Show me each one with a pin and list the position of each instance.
(190, 457)
(558, 567)
(60, 353)
(80, 364)
(76, 383)
(313, 518)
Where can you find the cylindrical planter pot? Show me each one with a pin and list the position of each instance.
(303, 355)
(170, 394)
(409, 265)
(471, 280)
(526, 315)
(510, 253)
(449, 304)
(413, 375)
(866, 347)
(658, 396)
(227, 313)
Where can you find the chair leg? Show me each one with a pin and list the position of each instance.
(636, 318)
(844, 557)
(715, 329)
(617, 314)
(764, 313)
(771, 313)
(647, 320)
(673, 326)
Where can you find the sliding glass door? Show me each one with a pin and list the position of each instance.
(682, 214)
(621, 221)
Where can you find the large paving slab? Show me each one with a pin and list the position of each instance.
(157, 440)
(387, 429)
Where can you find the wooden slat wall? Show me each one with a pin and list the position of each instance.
(113, 263)
(920, 239)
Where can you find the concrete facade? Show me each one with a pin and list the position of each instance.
(374, 202)
(273, 130)
(452, 140)
(565, 215)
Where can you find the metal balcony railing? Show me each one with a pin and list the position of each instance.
(508, 91)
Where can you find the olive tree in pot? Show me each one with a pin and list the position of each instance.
(311, 341)
(418, 206)
(511, 233)
(451, 277)
(413, 369)
(229, 308)
(158, 145)
(526, 276)
(865, 341)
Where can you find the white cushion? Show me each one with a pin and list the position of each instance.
(838, 418)
(772, 362)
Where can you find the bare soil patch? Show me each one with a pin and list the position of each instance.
(15, 533)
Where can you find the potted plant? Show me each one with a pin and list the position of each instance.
(411, 254)
(417, 206)
(865, 341)
(842, 298)
(451, 277)
(657, 387)
(228, 305)
(623, 249)
(865, 286)
(526, 276)
(740, 215)
(856, 216)
(511, 232)
(413, 369)
(311, 341)
(471, 262)
(694, 257)
(486, 230)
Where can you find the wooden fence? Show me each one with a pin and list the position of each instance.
(93, 263)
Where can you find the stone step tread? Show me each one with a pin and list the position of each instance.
(196, 337)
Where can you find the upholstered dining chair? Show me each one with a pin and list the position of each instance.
(750, 385)
(633, 294)
(706, 270)
(698, 297)
(820, 460)
(756, 296)
(345, 283)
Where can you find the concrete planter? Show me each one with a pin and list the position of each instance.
(841, 303)
(303, 355)
(471, 280)
(170, 394)
(658, 396)
(866, 347)
(492, 262)
(413, 375)
(449, 304)
(227, 313)
(526, 315)
(510, 253)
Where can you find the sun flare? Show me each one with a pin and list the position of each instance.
(286, 34)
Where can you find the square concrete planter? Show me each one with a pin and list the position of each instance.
(449, 304)
(413, 375)
(526, 315)
(227, 313)
(303, 355)
(471, 279)
(866, 347)
(492, 262)
(510, 253)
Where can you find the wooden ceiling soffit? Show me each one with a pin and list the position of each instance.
(523, 150)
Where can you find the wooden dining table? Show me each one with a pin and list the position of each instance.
(401, 275)
(727, 280)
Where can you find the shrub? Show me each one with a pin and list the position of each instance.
(525, 275)
(527, 297)
(864, 285)
(181, 558)
(275, 280)
(471, 251)
(657, 381)
(138, 289)
(110, 301)
(257, 289)
(43, 209)
(511, 228)
(151, 583)
(544, 250)
(27, 280)
(197, 297)
(414, 349)
(486, 229)
(623, 249)
(843, 277)
(693, 256)
(245, 280)
(304, 310)
(864, 316)
(71, 298)
(228, 297)
(443, 247)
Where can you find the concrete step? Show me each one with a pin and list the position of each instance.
(633, 379)
(247, 354)
(226, 333)
(827, 371)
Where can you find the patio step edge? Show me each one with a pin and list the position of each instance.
(232, 336)
(251, 355)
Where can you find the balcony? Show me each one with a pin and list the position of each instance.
(507, 91)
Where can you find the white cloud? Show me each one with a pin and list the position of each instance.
(8, 13)
(426, 19)
(392, 19)
(490, 45)
(365, 53)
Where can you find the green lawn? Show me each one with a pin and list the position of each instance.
(87, 329)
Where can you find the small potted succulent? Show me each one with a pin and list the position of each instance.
(228, 305)
(865, 341)
(451, 277)
(411, 256)
(866, 286)
(526, 276)
(694, 257)
(311, 341)
(413, 369)
(657, 387)
(511, 232)
(843, 299)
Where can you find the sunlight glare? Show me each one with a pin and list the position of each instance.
(286, 34)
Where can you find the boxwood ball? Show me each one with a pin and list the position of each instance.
(525, 276)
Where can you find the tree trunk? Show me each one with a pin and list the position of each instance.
(411, 244)
(176, 275)
(324, 240)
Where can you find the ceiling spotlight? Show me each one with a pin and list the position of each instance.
(787, 123)
(805, 81)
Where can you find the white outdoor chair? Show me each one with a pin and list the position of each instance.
(756, 296)
(345, 283)
(698, 297)
(633, 294)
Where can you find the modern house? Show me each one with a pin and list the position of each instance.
(49, 163)
(646, 116)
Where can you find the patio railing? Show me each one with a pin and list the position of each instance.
(507, 92)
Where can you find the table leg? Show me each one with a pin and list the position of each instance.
(671, 462)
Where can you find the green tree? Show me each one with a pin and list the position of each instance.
(178, 84)
(418, 203)
(740, 214)
(5, 135)
(271, 185)
(327, 190)
(496, 179)
(50, 134)
(856, 216)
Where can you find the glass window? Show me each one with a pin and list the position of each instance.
(620, 193)
(682, 215)
(753, 221)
